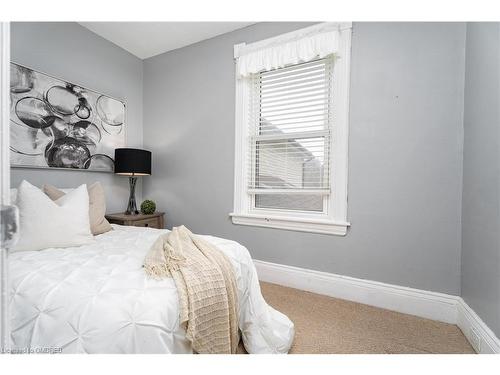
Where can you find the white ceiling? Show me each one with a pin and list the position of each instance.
(146, 39)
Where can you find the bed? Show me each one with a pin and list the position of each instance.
(97, 299)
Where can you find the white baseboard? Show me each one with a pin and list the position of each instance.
(481, 337)
(431, 305)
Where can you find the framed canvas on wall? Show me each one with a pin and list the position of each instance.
(58, 124)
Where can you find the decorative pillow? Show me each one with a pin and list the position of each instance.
(97, 206)
(45, 223)
(13, 196)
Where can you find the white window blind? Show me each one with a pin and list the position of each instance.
(290, 129)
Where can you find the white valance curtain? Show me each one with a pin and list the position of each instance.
(303, 45)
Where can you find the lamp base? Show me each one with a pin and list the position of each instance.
(132, 206)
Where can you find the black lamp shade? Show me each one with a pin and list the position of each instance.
(132, 162)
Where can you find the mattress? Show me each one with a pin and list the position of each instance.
(97, 299)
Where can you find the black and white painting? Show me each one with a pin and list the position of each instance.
(57, 124)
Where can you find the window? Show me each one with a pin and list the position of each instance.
(291, 131)
(290, 137)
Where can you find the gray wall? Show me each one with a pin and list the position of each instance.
(405, 170)
(405, 166)
(73, 53)
(481, 187)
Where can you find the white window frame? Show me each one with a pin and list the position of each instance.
(333, 219)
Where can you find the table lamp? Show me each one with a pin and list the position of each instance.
(132, 162)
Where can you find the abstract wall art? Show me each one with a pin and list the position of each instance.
(57, 124)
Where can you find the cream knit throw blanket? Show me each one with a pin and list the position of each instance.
(206, 285)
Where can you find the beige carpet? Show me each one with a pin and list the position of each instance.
(329, 325)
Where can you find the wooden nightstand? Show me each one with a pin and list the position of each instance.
(155, 220)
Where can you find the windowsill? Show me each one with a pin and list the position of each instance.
(296, 224)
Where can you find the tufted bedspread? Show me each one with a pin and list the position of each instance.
(98, 299)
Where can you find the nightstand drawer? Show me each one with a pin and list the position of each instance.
(151, 223)
(156, 220)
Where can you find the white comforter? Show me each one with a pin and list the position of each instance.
(98, 299)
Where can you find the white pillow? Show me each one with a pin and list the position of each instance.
(45, 223)
(13, 194)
